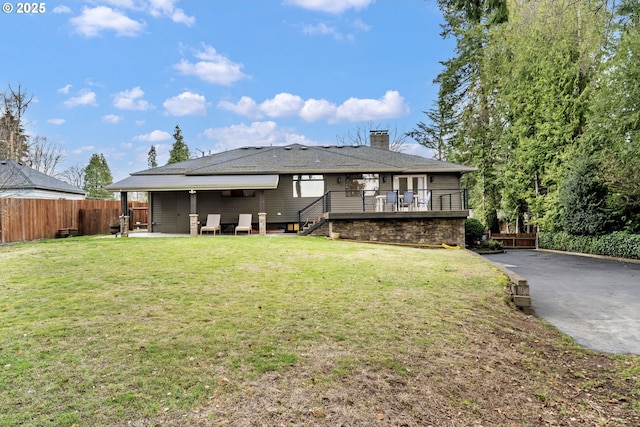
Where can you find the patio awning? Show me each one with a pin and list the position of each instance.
(199, 182)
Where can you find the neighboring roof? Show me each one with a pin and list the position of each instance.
(200, 182)
(16, 176)
(288, 159)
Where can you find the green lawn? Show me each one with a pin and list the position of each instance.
(274, 330)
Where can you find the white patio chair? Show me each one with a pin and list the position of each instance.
(213, 224)
(244, 223)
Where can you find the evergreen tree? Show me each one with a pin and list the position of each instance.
(466, 95)
(13, 139)
(96, 177)
(437, 133)
(152, 160)
(583, 200)
(613, 130)
(179, 151)
(543, 62)
(517, 91)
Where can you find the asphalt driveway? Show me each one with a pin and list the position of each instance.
(595, 301)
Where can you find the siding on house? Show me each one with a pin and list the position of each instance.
(170, 210)
(260, 180)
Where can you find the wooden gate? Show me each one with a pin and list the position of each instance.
(516, 240)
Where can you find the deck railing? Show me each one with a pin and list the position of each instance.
(384, 201)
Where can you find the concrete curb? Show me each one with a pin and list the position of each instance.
(518, 286)
(611, 258)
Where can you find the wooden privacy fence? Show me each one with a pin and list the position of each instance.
(516, 240)
(32, 219)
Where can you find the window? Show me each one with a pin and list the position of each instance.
(357, 183)
(308, 185)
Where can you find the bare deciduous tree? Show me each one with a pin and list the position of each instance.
(44, 155)
(360, 136)
(74, 176)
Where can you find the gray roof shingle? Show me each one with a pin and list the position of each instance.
(296, 158)
(16, 176)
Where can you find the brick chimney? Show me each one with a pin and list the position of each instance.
(379, 139)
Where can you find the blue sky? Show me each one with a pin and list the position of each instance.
(116, 76)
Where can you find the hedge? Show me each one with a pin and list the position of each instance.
(618, 244)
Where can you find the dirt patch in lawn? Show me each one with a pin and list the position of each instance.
(513, 370)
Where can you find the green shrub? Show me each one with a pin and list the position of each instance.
(617, 244)
(491, 244)
(473, 232)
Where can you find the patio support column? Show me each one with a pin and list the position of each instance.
(262, 215)
(124, 217)
(193, 215)
(262, 223)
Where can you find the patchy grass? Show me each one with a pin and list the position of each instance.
(284, 331)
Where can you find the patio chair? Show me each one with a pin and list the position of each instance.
(213, 224)
(423, 203)
(244, 223)
(392, 199)
(407, 200)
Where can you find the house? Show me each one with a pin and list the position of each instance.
(23, 182)
(310, 190)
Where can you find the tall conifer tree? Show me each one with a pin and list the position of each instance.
(179, 151)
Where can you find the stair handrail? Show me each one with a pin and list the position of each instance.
(322, 204)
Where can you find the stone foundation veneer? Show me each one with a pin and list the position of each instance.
(193, 224)
(408, 229)
(124, 226)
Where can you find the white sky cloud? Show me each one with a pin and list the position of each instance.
(84, 149)
(111, 15)
(324, 29)
(65, 89)
(359, 25)
(179, 17)
(186, 104)
(318, 109)
(130, 100)
(245, 107)
(391, 105)
(56, 121)
(320, 28)
(166, 8)
(92, 21)
(111, 118)
(86, 97)
(330, 6)
(154, 136)
(257, 133)
(61, 9)
(282, 105)
(212, 67)
(128, 4)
